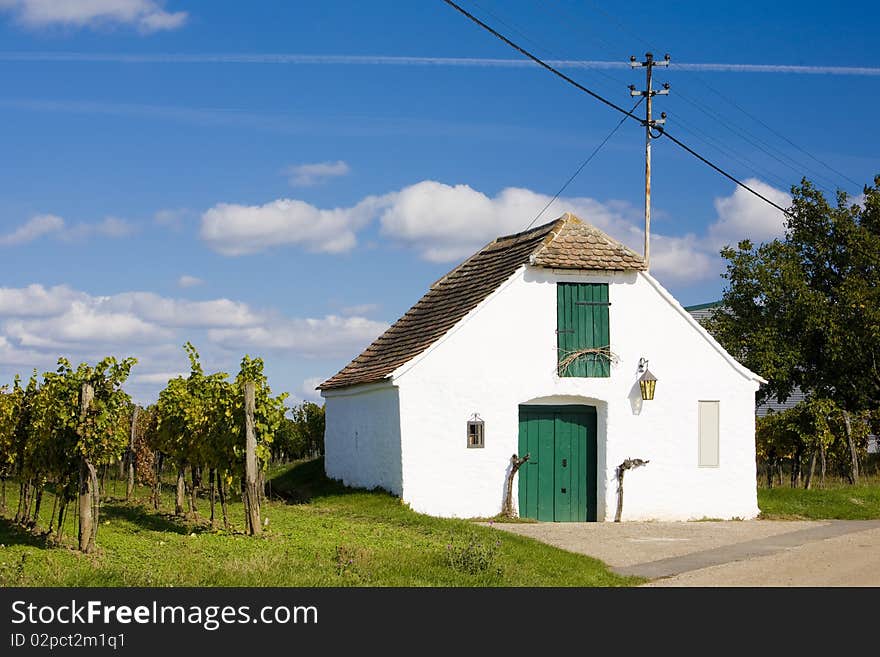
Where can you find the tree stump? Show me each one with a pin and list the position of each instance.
(628, 464)
(515, 464)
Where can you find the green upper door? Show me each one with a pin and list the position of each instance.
(558, 482)
(582, 324)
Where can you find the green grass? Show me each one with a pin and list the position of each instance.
(319, 534)
(838, 501)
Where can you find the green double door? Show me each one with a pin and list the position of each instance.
(558, 482)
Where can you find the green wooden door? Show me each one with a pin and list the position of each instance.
(558, 482)
(582, 323)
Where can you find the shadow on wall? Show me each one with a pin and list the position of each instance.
(635, 398)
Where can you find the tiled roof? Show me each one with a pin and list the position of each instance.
(577, 245)
(567, 243)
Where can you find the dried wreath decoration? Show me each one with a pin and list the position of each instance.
(571, 357)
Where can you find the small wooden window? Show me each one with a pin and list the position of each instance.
(708, 447)
(476, 429)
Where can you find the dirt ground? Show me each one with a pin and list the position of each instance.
(731, 553)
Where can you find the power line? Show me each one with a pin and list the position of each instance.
(780, 135)
(541, 62)
(733, 154)
(624, 30)
(581, 167)
(725, 151)
(561, 60)
(607, 102)
(757, 142)
(722, 171)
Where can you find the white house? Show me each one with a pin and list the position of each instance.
(476, 371)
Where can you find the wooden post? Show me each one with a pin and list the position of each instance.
(854, 457)
(627, 464)
(515, 464)
(129, 487)
(87, 484)
(180, 493)
(211, 477)
(252, 496)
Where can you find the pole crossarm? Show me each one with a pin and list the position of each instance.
(650, 123)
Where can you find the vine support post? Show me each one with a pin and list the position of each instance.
(515, 464)
(251, 488)
(628, 464)
(129, 487)
(88, 485)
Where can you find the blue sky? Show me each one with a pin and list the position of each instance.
(285, 179)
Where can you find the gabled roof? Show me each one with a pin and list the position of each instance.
(578, 245)
(567, 243)
(703, 311)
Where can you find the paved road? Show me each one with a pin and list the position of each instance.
(749, 553)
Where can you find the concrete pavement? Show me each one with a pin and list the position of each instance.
(726, 553)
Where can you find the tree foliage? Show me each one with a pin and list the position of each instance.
(805, 310)
(300, 435)
(200, 419)
(813, 428)
(63, 427)
(48, 432)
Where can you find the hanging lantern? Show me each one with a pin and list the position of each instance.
(647, 382)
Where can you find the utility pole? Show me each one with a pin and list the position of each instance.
(650, 123)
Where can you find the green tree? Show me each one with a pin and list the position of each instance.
(308, 423)
(10, 403)
(805, 310)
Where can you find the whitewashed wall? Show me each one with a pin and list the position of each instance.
(362, 437)
(504, 354)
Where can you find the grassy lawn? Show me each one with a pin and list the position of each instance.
(835, 501)
(319, 534)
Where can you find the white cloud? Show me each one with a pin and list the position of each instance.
(146, 15)
(742, 215)
(236, 230)
(25, 359)
(307, 389)
(448, 222)
(110, 227)
(160, 378)
(34, 228)
(360, 309)
(37, 301)
(330, 336)
(180, 312)
(83, 324)
(172, 218)
(680, 259)
(189, 281)
(43, 225)
(306, 175)
(38, 323)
